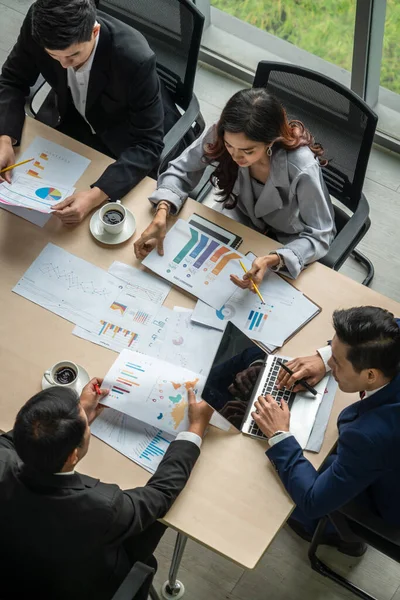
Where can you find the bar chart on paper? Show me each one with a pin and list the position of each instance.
(117, 337)
(197, 263)
(152, 390)
(156, 448)
(144, 444)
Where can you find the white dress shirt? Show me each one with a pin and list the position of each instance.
(78, 83)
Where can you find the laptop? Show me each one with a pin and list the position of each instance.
(241, 372)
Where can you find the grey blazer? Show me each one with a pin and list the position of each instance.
(294, 202)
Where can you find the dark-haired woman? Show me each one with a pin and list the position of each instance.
(268, 173)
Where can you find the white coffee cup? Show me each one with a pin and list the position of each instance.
(63, 374)
(113, 228)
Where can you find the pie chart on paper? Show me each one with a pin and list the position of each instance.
(49, 193)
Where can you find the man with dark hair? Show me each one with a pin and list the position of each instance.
(105, 93)
(69, 535)
(364, 357)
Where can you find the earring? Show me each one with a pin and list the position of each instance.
(269, 151)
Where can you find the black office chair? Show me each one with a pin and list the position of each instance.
(366, 526)
(173, 29)
(345, 126)
(139, 579)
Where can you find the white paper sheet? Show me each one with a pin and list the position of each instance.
(189, 345)
(198, 264)
(27, 192)
(133, 318)
(143, 285)
(118, 332)
(285, 310)
(304, 411)
(51, 162)
(143, 444)
(67, 285)
(151, 390)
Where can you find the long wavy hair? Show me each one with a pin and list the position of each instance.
(262, 118)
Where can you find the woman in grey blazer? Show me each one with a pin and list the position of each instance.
(268, 173)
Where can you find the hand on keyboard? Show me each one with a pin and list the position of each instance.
(271, 416)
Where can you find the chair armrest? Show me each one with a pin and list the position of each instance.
(204, 186)
(349, 236)
(139, 576)
(33, 91)
(367, 519)
(178, 131)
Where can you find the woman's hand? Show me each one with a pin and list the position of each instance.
(257, 272)
(153, 236)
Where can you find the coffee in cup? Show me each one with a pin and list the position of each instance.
(63, 373)
(113, 217)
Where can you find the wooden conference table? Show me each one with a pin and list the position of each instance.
(233, 503)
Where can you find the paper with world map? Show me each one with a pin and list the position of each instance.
(151, 390)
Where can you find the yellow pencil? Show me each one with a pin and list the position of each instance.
(16, 165)
(255, 287)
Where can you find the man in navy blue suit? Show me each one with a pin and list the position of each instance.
(364, 357)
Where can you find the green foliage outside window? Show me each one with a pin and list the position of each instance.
(322, 27)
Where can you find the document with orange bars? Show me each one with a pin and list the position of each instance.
(198, 263)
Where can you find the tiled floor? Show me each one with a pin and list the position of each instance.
(283, 573)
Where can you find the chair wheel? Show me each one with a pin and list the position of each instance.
(173, 594)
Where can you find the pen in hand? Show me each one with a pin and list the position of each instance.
(302, 382)
(254, 285)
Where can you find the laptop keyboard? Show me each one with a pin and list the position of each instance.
(269, 388)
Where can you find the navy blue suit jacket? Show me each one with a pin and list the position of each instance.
(367, 460)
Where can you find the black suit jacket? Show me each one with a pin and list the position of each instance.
(62, 535)
(124, 103)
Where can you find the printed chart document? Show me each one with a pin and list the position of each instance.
(26, 192)
(285, 311)
(187, 344)
(197, 263)
(151, 390)
(53, 163)
(143, 285)
(144, 444)
(133, 317)
(67, 285)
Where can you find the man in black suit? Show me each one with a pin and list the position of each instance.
(66, 535)
(105, 93)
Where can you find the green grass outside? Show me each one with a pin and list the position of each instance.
(322, 27)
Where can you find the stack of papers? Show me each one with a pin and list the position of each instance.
(46, 180)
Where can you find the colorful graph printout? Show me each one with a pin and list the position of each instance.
(26, 192)
(142, 443)
(197, 263)
(151, 390)
(285, 310)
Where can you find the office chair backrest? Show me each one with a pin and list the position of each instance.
(337, 118)
(173, 29)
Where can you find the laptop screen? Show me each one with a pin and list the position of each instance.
(234, 375)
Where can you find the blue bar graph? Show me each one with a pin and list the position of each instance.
(155, 447)
(136, 367)
(253, 321)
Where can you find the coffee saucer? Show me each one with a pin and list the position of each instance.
(82, 379)
(96, 229)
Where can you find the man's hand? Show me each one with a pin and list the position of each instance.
(257, 272)
(244, 382)
(199, 414)
(90, 399)
(310, 368)
(270, 417)
(152, 237)
(74, 209)
(7, 157)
